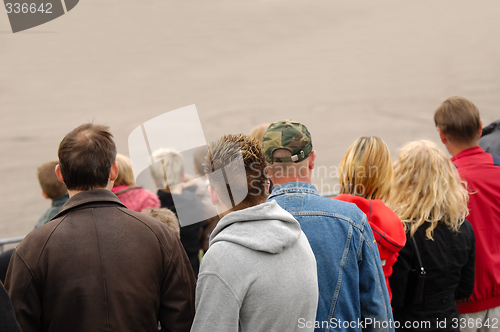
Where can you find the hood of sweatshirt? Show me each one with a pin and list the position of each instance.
(265, 227)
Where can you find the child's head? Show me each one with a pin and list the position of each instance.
(51, 186)
(165, 216)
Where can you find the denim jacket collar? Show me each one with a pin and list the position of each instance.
(294, 187)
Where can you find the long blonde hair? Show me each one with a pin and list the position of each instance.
(366, 169)
(427, 188)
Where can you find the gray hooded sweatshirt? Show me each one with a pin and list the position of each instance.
(259, 274)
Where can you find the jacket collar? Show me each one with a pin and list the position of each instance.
(89, 196)
(467, 153)
(294, 187)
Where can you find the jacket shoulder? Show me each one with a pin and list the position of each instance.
(343, 210)
(163, 233)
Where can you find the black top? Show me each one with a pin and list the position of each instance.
(449, 264)
(8, 322)
(189, 210)
(490, 138)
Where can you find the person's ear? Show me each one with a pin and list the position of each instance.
(113, 173)
(214, 198)
(442, 136)
(58, 173)
(45, 195)
(480, 128)
(312, 158)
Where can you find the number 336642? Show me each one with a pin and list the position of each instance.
(26, 8)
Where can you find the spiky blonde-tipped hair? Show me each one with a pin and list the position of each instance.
(252, 181)
(427, 189)
(366, 169)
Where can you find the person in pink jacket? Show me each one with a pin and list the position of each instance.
(365, 178)
(134, 197)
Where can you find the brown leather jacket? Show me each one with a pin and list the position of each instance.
(98, 266)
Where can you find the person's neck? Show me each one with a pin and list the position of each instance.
(281, 180)
(74, 192)
(456, 149)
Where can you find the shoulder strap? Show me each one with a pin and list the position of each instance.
(422, 270)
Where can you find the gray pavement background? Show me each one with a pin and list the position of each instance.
(343, 68)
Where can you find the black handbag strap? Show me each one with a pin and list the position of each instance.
(422, 270)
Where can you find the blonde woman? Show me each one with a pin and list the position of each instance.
(432, 203)
(365, 176)
(133, 197)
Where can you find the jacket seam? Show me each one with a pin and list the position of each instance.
(91, 200)
(32, 277)
(288, 191)
(224, 282)
(102, 270)
(47, 240)
(384, 238)
(328, 214)
(32, 273)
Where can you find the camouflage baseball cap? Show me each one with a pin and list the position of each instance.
(289, 135)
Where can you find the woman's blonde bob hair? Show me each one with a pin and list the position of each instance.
(366, 169)
(427, 189)
(125, 174)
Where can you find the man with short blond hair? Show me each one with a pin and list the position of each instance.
(353, 294)
(459, 125)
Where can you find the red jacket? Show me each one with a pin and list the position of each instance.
(387, 229)
(481, 170)
(136, 198)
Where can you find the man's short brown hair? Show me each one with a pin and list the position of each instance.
(458, 119)
(85, 157)
(51, 186)
(221, 156)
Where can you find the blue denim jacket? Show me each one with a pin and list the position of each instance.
(351, 283)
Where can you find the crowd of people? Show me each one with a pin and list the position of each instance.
(249, 244)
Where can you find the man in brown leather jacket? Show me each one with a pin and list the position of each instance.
(98, 266)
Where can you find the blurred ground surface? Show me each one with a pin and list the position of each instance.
(343, 68)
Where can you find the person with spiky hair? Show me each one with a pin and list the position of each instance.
(259, 273)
